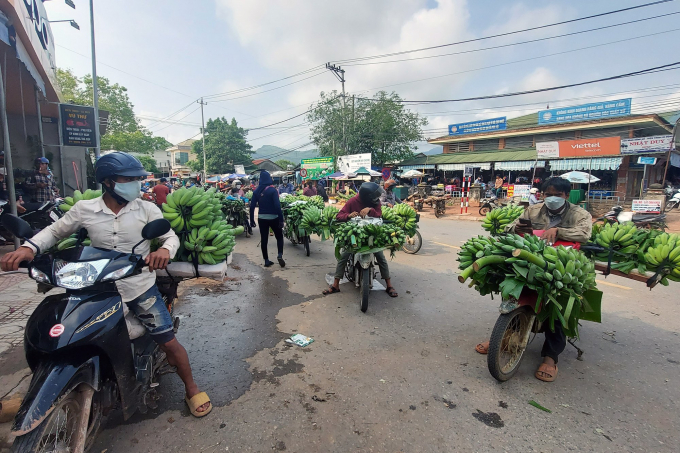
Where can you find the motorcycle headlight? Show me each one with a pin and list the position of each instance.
(77, 275)
(120, 273)
(39, 276)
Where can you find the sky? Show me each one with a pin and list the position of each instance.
(169, 53)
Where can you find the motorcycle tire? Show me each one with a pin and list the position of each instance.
(510, 328)
(365, 289)
(484, 210)
(415, 246)
(670, 205)
(35, 440)
(306, 242)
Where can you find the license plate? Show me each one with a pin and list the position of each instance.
(54, 216)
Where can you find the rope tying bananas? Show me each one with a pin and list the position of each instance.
(509, 264)
(496, 220)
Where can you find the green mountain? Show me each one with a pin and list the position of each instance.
(275, 153)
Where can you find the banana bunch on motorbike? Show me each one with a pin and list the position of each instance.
(664, 257)
(403, 216)
(497, 219)
(68, 203)
(191, 208)
(211, 243)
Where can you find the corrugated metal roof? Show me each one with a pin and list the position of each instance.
(473, 157)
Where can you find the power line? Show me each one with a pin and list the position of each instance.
(271, 89)
(504, 34)
(515, 43)
(165, 127)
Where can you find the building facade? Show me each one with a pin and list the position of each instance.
(180, 155)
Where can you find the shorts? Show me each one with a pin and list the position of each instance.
(150, 309)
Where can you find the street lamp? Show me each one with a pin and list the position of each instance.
(73, 23)
(70, 3)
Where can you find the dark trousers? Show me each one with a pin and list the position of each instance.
(265, 225)
(555, 342)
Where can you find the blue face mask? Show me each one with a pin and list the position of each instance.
(128, 190)
(554, 203)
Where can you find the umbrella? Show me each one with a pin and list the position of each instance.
(579, 177)
(412, 174)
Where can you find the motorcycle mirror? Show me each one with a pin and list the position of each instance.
(155, 229)
(18, 227)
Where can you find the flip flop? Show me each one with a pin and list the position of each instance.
(482, 348)
(330, 290)
(548, 374)
(391, 291)
(197, 401)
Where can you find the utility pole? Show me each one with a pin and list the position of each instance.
(340, 74)
(205, 171)
(95, 93)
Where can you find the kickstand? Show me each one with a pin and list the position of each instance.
(580, 351)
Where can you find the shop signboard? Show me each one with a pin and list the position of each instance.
(473, 127)
(650, 206)
(589, 147)
(585, 112)
(646, 160)
(519, 190)
(353, 162)
(316, 168)
(647, 145)
(77, 125)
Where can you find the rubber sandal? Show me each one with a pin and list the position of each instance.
(281, 262)
(482, 348)
(548, 374)
(197, 401)
(330, 290)
(391, 291)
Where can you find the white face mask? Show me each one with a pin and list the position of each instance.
(554, 203)
(128, 190)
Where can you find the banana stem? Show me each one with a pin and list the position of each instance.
(530, 257)
(467, 272)
(486, 260)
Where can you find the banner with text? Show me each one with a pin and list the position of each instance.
(473, 127)
(585, 112)
(77, 125)
(316, 168)
(353, 162)
(589, 147)
(647, 145)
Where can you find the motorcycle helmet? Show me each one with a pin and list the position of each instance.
(389, 183)
(533, 190)
(118, 164)
(236, 184)
(370, 193)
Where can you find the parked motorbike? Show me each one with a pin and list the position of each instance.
(652, 221)
(488, 204)
(672, 198)
(38, 216)
(86, 354)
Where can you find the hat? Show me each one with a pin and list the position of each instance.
(533, 190)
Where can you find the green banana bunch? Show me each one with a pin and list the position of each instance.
(68, 203)
(351, 236)
(192, 208)
(403, 216)
(68, 243)
(327, 226)
(664, 257)
(209, 244)
(509, 264)
(497, 219)
(235, 211)
(249, 195)
(311, 220)
(625, 240)
(349, 193)
(293, 213)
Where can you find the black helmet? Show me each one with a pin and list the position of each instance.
(118, 164)
(369, 193)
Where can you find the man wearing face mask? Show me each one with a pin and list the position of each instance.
(560, 221)
(115, 222)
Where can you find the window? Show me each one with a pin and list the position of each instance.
(459, 147)
(181, 158)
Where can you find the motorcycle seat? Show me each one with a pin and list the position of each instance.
(134, 326)
(648, 217)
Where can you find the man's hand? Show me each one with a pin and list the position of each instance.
(158, 259)
(11, 261)
(550, 236)
(364, 212)
(42, 185)
(522, 230)
(390, 205)
(353, 215)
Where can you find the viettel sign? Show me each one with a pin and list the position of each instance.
(590, 147)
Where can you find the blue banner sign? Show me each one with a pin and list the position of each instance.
(492, 124)
(585, 112)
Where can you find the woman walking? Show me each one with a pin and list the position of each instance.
(269, 215)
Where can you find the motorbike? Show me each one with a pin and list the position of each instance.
(415, 242)
(86, 354)
(488, 204)
(38, 215)
(672, 198)
(651, 221)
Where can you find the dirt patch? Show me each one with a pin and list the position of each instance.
(491, 419)
(281, 368)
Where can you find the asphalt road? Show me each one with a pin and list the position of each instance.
(404, 376)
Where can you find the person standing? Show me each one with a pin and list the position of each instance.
(533, 196)
(269, 215)
(389, 198)
(41, 183)
(310, 190)
(161, 192)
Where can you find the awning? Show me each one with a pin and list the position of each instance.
(518, 165)
(461, 167)
(418, 167)
(599, 163)
(675, 160)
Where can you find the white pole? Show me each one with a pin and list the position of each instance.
(9, 177)
(95, 88)
(205, 171)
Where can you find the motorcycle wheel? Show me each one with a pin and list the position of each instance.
(365, 289)
(672, 204)
(484, 210)
(413, 243)
(58, 431)
(505, 346)
(306, 241)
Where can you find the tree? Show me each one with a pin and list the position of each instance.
(123, 131)
(283, 163)
(149, 164)
(225, 145)
(381, 126)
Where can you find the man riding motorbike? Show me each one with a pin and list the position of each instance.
(560, 221)
(286, 186)
(115, 222)
(365, 204)
(389, 198)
